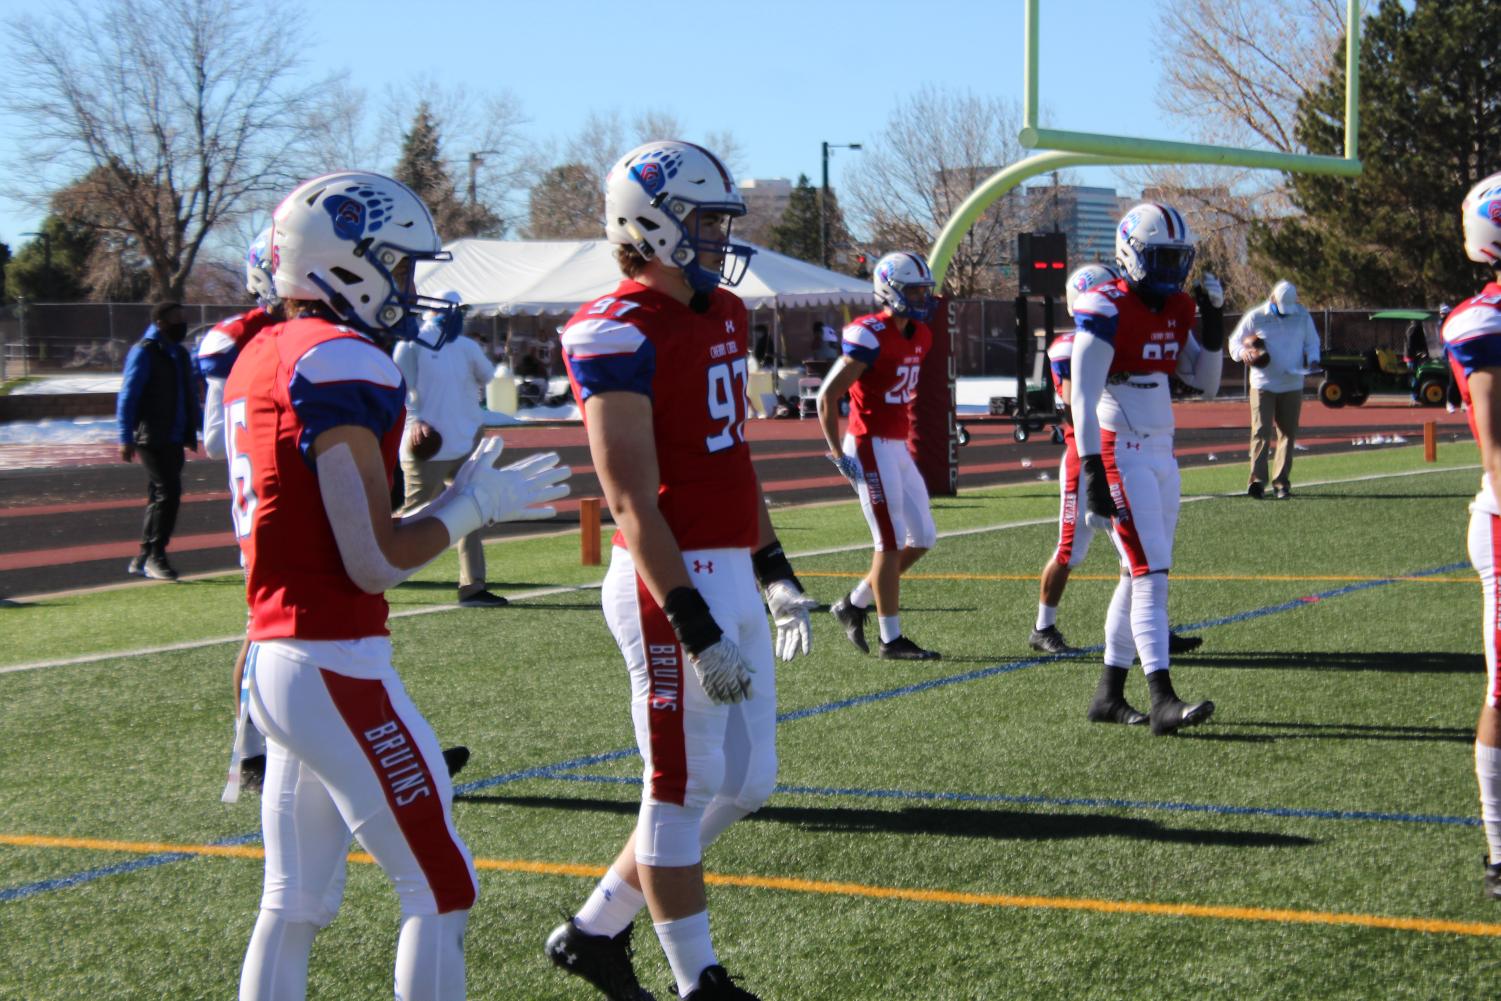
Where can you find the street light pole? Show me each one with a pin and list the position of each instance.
(823, 198)
(475, 159)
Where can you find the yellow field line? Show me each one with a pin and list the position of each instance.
(1431, 926)
(855, 575)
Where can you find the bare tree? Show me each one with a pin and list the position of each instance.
(1236, 68)
(181, 108)
(937, 147)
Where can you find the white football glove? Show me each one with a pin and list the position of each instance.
(789, 609)
(1213, 290)
(483, 495)
(723, 671)
(849, 468)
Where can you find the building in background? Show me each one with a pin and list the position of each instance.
(766, 198)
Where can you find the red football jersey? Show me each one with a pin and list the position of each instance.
(1145, 340)
(692, 366)
(880, 398)
(222, 345)
(290, 384)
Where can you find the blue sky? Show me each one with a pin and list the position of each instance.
(782, 76)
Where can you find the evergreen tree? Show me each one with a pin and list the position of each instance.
(4, 260)
(421, 169)
(796, 233)
(1430, 127)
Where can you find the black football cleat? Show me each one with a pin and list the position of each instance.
(852, 617)
(483, 599)
(253, 773)
(1183, 644)
(455, 758)
(1174, 714)
(714, 984)
(1115, 711)
(1049, 640)
(603, 961)
(902, 648)
(1492, 882)
(1256, 490)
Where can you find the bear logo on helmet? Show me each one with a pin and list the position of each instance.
(348, 216)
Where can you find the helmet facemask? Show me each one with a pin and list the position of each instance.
(698, 238)
(1163, 267)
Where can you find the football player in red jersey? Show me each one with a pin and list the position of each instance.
(314, 412)
(1472, 341)
(883, 354)
(658, 367)
(1130, 336)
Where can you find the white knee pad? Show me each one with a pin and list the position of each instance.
(304, 904)
(759, 780)
(430, 957)
(668, 835)
(1149, 620)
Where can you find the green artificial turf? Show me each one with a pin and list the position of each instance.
(1336, 777)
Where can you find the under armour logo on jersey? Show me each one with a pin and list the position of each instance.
(703, 567)
(1172, 324)
(729, 326)
(1131, 444)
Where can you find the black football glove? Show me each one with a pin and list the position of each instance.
(1095, 488)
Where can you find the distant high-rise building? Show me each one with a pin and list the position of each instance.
(1088, 215)
(766, 198)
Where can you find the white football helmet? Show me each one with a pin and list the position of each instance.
(351, 240)
(258, 271)
(904, 285)
(1088, 277)
(651, 195)
(1482, 219)
(1155, 248)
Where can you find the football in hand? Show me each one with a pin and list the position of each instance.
(424, 441)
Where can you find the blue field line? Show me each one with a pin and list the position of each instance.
(560, 769)
(1093, 803)
(88, 875)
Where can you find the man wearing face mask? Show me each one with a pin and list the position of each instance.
(158, 417)
(1278, 342)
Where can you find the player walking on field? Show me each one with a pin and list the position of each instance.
(658, 368)
(313, 419)
(1472, 341)
(1074, 530)
(882, 359)
(1131, 334)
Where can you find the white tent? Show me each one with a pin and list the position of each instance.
(557, 276)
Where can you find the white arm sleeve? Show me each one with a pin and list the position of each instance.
(348, 513)
(1200, 368)
(405, 357)
(213, 419)
(1090, 368)
(1237, 341)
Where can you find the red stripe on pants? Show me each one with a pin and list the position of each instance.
(1069, 519)
(865, 451)
(1125, 525)
(1495, 597)
(664, 700)
(408, 784)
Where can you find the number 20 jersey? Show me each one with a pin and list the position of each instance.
(880, 397)
(692, 366)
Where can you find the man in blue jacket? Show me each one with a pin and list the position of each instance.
(157, 412)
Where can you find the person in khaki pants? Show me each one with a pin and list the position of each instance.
(445, 373)
(1278, 342)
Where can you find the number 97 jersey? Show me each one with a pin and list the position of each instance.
(692, 367)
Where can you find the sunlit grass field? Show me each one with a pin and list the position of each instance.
(953, 830)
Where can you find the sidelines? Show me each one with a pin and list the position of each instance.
(560, 769)
(95, 658)
(1017, 799)
(1429, 926)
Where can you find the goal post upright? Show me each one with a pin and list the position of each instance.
(1074, 149)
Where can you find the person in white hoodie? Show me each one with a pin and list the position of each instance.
(446, 374)
(1278, 342)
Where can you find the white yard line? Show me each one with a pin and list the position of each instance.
(94, 658)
